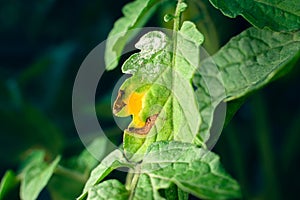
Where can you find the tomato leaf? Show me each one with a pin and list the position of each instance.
(277, 15)
(246, 63)
(160, 96)
(192, 169)
(110, 189)
(8, 184)
(136, 14)
(114, 160)
(36, 175)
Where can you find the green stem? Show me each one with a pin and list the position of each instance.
(177, 15)
(176, 26)
(133, 184)
(69, 173)
(129, 178)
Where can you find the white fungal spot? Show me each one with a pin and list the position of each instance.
(151, 43)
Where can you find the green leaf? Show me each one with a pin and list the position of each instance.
(110, 189)
(158, 96)
(147, 188)
(136, 14)
(113, 161)
(34, 158)
(246, 63)
(182, 6)
(182, 195)
(69, 179)
(35, 177)
(153, 95)
(189, 40)
(175, 193)
(192, 169)
(8, 183)
(278, 15)
(94, 152)
(251, 59)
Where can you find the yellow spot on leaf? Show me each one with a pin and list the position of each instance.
(134, 106)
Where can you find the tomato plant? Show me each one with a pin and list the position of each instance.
(173, 94)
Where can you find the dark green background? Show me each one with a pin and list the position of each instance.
(42, 44)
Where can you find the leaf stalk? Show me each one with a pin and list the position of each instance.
(176, 26)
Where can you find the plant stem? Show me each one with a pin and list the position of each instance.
(133, 184)
(176, 26)
(129, 178)
(69, 173)
(177, 15)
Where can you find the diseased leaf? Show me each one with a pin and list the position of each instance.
(114, 160)
(35, 177)
(160, 97)
(246, 63)
(278, 15)
(136, 15)
(110, 189)
(192, 169)
(8, 183)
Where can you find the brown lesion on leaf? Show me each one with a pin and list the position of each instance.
(119, 103)
(150, 121)
(134, 105)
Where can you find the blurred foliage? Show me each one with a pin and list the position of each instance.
(42, 46)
